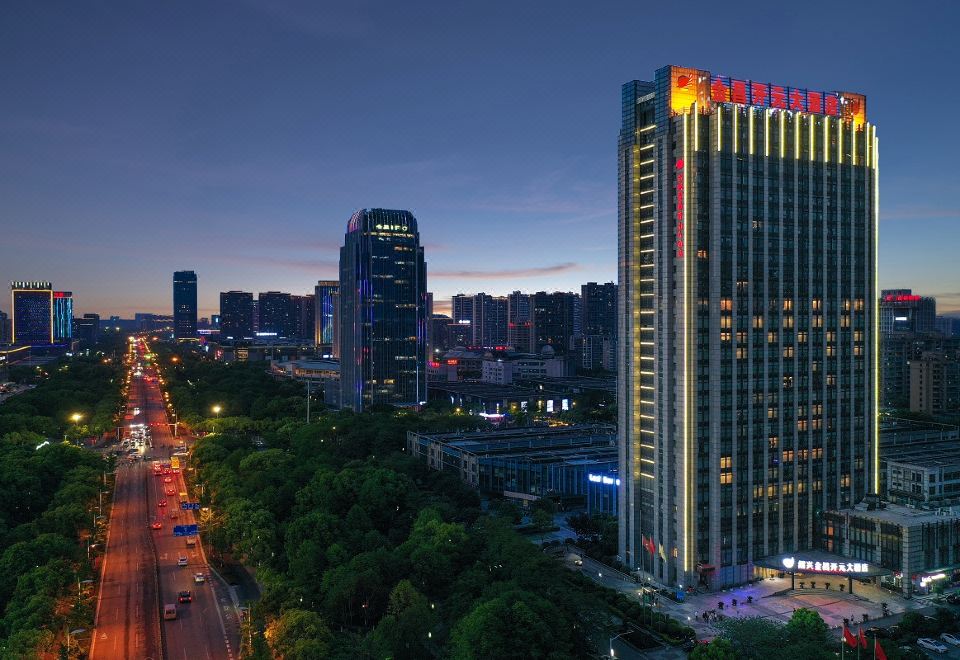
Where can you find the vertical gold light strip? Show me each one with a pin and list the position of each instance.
(688, 514)
(696, 127)
(826, 139)
(812, 127)
(736, 130)
(876, 315)
(783, 135)
(719, 126)
(796, 138)
(867, 147)
(750, 128)
(766, 133)
(840, 141)
(853, 143)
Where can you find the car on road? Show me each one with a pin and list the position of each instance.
(156, 524)
(173, 514)
(931, 645)
(171, 491)
(162, 503)
(182, 561)
(184, 597)
(168, 480)
(191, 541)
(950, 639)
(199, 578)
(169, 611)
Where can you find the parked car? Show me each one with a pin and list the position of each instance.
(950, 639)
(931, 645)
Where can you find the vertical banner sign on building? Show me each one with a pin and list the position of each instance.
(680, 210)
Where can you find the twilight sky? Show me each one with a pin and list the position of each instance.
(236, 138)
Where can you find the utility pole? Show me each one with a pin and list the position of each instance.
(308, 400)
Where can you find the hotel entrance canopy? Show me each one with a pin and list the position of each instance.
(819, 562)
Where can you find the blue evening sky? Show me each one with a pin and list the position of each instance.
(236, 138)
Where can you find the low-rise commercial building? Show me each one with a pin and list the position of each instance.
(920, 549)
(524, 463)
(492, 400)
(929, 480)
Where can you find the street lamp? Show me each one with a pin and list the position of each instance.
(216, 411)
(613, 639)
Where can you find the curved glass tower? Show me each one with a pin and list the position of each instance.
(383, 311)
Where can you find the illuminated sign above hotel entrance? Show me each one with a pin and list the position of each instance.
(840, 568)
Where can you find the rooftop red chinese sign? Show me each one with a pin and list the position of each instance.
(695, 85)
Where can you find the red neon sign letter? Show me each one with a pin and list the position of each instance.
(679, 230)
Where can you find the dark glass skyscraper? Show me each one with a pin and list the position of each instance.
(748, 320)
(236, 315)
(185, 305)
(554, 318)
(383, 303)
(32, 306)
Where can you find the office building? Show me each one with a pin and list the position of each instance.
(277, 315)
(383, 292)
(326, 297)
(437, 336)
(524, 463)
(483, 319)
(87, 329)
(5, 337)
(236, 315)
(32, 306)
(929, 481)
(185, 305)
(935, 383)
(903, 311)
(748, 308)
(599, 309)
(304, 309)
(554, 316)
(62, 317)
(520, 322)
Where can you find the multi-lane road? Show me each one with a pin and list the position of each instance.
(140, 566)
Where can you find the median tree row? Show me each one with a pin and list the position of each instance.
(361, 551)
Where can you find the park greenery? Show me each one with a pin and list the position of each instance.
(49, 493)
(360, 550)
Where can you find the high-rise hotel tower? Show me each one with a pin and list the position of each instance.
(747, 383)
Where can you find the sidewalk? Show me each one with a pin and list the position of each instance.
(768, 601)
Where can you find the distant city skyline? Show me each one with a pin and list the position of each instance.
(139, 140)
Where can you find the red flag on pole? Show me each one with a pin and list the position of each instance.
(862, 637)
(849, 638)
(878, 651)
(648, 544)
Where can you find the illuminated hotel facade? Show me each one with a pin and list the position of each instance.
(32, 318)
(748, 320)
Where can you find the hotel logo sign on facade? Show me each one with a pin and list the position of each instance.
(689, 86)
